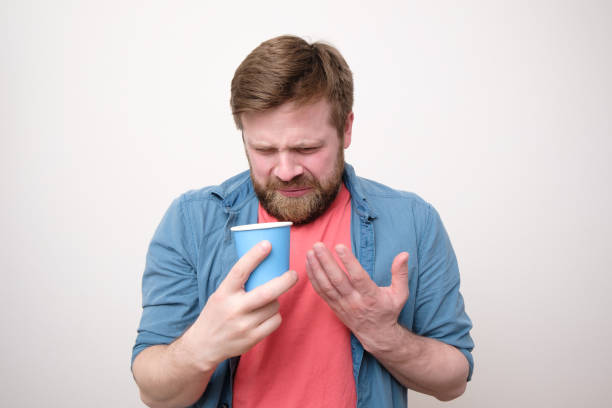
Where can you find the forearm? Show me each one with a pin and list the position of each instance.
(423, 364)
(231, 323)
(167, 377)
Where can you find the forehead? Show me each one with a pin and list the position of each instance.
(289, 123)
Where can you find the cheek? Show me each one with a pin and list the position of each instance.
(260, 166)
(322, 165)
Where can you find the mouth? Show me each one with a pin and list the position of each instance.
(294, 192)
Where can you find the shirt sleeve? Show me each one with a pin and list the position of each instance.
(439, 309)
(169, 283)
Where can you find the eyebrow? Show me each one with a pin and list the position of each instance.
(299, 145)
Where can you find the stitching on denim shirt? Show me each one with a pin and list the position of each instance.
(189, 224)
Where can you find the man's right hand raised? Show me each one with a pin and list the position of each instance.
(233, 321)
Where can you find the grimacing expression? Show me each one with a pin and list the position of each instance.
(305, 208)
(296, 157)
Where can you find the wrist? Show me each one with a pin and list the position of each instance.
(384, 340)
(395, 343)
(192, 355)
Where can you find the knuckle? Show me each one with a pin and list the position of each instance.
(242, 326)
(357, 279)
(249, 259)
(276, 321)
(259, 251)
(214, 297)
(369, 302)
(237, 271)
(336, 280)
(329, 291)
(218, 297)
(252, 338)
(267, 294)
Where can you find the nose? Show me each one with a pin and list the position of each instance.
(287, 167)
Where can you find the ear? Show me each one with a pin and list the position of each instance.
(348, 129)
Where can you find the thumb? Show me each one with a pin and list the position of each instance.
(399, 277)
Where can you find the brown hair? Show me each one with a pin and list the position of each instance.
(288, 69)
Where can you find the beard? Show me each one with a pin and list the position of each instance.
(304, 209)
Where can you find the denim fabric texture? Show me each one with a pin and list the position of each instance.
(192, 251)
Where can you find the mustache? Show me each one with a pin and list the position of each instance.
(301, 181)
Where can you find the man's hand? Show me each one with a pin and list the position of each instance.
(371, 312)
(368, 310)
(233, 321)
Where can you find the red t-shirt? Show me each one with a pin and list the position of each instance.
(307, 361)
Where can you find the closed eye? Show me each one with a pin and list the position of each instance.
(307, 150)
(264, 150)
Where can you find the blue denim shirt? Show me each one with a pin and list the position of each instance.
(192, 252)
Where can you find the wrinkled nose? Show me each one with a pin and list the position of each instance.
(287, 167)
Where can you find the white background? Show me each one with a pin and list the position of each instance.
(498, 113)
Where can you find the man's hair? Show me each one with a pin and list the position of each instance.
(288, 69)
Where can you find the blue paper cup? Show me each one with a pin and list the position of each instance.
(277, 261)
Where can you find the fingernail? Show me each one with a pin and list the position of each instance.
(341, 250)
(265, 245)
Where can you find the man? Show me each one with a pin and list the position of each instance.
(371, 305)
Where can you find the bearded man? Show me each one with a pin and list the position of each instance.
(371, 305)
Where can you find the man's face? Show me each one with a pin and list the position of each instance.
(296, 159)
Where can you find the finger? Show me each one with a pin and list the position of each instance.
(243, 324)
(335, 273)
(265, 328)
(311, 277)
(359, 277)
(270, 291)
(241, 271)
(399, 276)
(320, 278)
(258, 316)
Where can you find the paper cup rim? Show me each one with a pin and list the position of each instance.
(260, 226)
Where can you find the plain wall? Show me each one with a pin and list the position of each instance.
(496, 112)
